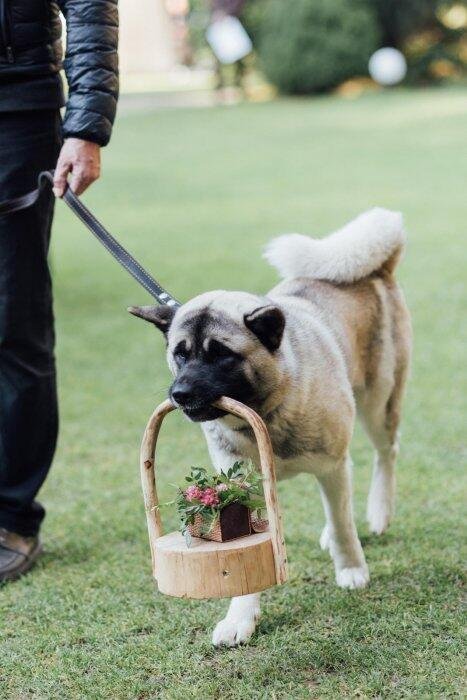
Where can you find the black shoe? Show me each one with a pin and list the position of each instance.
(17, 554)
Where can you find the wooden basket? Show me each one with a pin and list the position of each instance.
(210, 569)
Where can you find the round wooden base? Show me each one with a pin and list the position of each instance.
(214, 569)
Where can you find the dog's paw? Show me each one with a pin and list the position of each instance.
(229, 632)
(353, 577)
(325, 539)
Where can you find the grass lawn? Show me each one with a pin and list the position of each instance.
(195, 194)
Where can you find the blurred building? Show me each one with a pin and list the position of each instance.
(147, 44)
(155, 50)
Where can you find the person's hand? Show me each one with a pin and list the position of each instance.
(80, 158)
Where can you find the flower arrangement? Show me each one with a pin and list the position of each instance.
(219, 506)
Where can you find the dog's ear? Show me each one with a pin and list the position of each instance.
(267, 323)
(160, 316)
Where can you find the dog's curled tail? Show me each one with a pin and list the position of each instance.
(372, 242)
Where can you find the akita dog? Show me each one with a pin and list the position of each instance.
(331, 341)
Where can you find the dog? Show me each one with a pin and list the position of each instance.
(331, 341)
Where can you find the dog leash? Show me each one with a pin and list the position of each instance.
(115, 248)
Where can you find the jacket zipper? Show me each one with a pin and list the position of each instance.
(6, 33)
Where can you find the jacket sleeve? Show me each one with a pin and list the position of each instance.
(91, 68)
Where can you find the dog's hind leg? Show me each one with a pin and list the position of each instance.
(381, 421)
(379, 404)
(382, 494)
(340, 531)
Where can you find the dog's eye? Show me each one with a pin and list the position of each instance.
(181, 352)
(217, 351)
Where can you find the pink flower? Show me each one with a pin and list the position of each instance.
(193, 493)
(221, 487)
(209, 497)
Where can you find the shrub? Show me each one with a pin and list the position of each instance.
(310, 46)
(401, 19)
(252, 18)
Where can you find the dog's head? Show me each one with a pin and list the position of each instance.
(221, 344)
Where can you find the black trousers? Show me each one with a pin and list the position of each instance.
(29, 142)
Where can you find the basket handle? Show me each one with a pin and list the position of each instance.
(268, 471)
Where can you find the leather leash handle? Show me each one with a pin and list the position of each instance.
(126, 260)
(10, 206)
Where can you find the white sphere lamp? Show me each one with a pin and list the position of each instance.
(387, 66)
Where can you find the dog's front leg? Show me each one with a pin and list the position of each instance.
(340, 534)
(240, 622)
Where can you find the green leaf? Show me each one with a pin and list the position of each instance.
(243, 486)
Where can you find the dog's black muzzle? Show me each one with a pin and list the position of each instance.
(196, 399)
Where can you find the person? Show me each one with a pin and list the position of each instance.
(219, 10)
(33, 138)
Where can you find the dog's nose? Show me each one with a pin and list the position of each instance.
(182, 395)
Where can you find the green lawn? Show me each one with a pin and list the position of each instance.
(195, 194)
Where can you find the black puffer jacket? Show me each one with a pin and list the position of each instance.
(31, 58)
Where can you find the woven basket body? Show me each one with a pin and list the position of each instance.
(233, 521)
